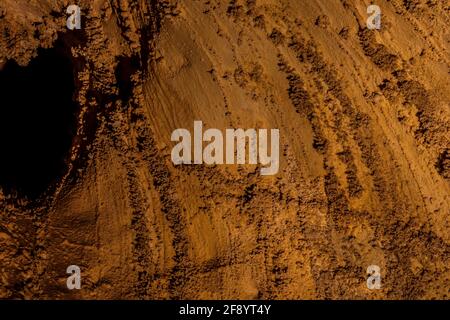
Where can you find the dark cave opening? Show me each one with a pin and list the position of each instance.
(37, 122)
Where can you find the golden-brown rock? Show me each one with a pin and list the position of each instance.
(364, 173)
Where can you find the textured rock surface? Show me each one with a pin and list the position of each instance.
(364, 137)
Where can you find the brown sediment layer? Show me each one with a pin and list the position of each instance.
(364, 163)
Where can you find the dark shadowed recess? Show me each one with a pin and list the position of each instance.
(126, 67)
(37, 122)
